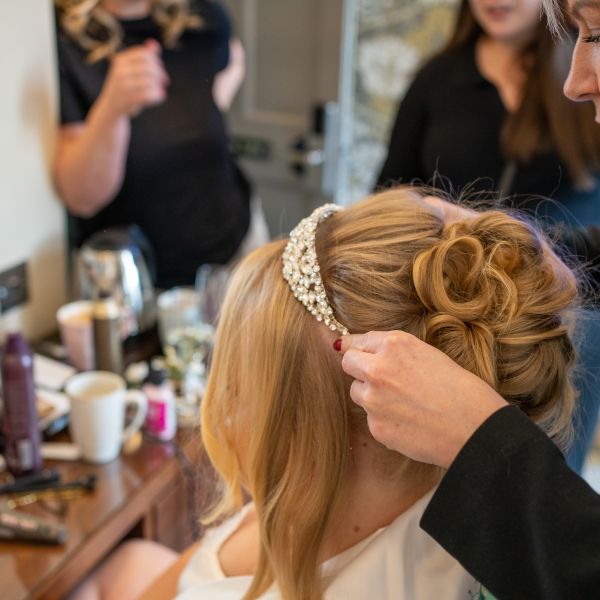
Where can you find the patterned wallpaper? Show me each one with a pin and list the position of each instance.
(391, 38)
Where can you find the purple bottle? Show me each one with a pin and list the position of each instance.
(19, 414)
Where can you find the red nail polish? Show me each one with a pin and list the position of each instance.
(337, 345)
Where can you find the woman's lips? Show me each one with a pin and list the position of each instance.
(498, 13)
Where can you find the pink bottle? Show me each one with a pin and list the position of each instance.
(19, 414)
(161, 420)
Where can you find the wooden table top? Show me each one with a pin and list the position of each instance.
(95, 522)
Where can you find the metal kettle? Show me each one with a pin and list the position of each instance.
(117, 262)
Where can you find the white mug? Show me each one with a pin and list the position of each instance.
(98, 401)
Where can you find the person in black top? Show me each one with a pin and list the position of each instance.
(467, 118)
(501, 124)
(485, 114)
(143, 85)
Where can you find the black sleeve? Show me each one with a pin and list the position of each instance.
(516, 517)
(218, 21)
(73, 107)
(402, 162)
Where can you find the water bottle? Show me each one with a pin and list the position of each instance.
(19, 414)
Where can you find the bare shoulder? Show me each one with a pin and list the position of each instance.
(239, 553)
(164, 587)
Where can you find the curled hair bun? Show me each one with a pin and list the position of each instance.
(496, 300)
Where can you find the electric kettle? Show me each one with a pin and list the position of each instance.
(117, 262)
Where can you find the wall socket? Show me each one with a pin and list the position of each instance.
(14, 289)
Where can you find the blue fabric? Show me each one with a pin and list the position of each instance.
(588, 384)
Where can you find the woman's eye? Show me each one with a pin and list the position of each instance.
(591, 39)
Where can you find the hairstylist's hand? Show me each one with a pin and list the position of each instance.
(418, 401)
(448, 211)
(136, 79)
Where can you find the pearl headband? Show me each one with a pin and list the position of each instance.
(302, 272)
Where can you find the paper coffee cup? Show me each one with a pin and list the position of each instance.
(75, 323)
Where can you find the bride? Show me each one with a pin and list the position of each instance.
(333, 514)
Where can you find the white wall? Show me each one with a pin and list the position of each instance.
(31, 219)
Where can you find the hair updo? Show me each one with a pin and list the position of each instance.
(495, 296)
(489, 292)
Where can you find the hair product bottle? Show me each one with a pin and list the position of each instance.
(161, 421)
(19, 420)
(107, 336)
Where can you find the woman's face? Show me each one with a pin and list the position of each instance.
(582, 83)
(509, 21)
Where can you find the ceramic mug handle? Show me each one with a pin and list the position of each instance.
(139, 400)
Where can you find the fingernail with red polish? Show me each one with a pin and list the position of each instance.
(337, 345)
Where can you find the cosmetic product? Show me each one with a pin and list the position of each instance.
(35, 481)
(20, 421)
(21, 527)
(59, 491)
(161, 420)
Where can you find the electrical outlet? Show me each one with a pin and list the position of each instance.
(14, 290)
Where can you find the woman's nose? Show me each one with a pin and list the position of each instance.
(582, 81)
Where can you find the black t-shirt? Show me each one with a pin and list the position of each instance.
(450, 123)
(181, 184)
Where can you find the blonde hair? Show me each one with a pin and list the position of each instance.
(277, 419)
(98, 31)
(554, 16)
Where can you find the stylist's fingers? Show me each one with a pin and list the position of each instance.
(358, 364)
(367, 342)
(370, 356)
(449, 211)
(359, 393)
(358, 359)
(377, 341)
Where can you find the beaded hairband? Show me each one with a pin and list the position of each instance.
(302, 272)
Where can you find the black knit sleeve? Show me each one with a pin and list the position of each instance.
(516, 517)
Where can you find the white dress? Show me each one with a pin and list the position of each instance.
(397, 562)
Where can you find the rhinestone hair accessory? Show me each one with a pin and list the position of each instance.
(302, 272)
